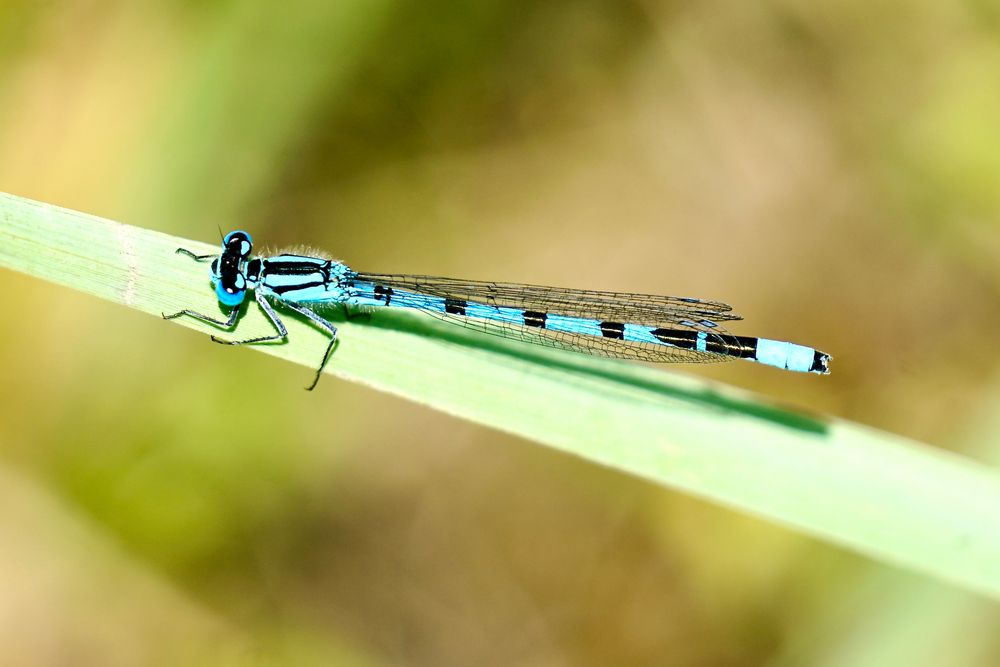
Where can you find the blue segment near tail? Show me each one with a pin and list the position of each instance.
(611, 324)
(788, 356)
(574, 325)
(638, 333)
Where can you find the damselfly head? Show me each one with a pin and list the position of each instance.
(228, 269)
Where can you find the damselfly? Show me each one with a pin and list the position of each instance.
(608, 324)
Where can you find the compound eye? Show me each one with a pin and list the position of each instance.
(229, 296)
(238, 241)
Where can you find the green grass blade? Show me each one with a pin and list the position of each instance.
(890, 498)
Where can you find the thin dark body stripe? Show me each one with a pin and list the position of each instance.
(285, 289)
(285, 268)
(454, 306)
(743, 347)
(614, 330)
(534, 318)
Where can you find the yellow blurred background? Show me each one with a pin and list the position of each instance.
(829, 168)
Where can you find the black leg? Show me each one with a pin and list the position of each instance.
(197, 258)
(228, 324)
(234, 313)
(326, 325)
(276, 322)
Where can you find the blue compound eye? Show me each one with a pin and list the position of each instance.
(229, 296)
(238, 241)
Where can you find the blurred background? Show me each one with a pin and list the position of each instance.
(830, 168)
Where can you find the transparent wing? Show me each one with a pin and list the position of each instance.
(666, 312)
(647, 309)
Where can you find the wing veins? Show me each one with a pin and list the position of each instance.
(618, 306)
(647, 309)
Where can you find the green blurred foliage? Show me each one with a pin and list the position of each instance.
(828, 167)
